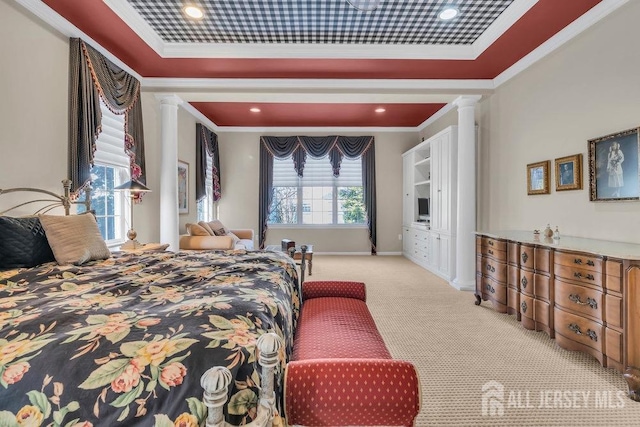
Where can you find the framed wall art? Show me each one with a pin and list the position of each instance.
(538, 177)
(183, 187)
(569, 173)
(613, 167)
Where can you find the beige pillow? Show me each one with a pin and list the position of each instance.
(196, 230)
(74, 239)
(208, 229)
(218, 228)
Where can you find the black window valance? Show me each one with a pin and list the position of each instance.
(91, 77)
(336, 148)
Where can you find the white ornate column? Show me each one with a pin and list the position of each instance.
(169, 228)
(465, 239)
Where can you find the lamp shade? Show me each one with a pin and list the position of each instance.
(133, 186)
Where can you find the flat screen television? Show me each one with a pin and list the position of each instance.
(423, 208)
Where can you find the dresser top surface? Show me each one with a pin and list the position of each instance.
(607, 248)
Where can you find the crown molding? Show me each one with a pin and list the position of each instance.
(587, 20)
(408, 85)
(436, 116)
(200, 117)
(58, 23)
(515, 11)
(332, 129)
(132, 18)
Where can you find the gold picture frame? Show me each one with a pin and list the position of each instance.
(538, 177)
(569, 173)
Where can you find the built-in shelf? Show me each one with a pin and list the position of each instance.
(423, 182)
(423, 161)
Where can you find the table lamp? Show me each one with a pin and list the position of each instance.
(134, 188)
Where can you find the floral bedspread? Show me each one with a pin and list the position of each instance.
(125, 341)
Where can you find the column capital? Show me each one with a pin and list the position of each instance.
(466, 101)
(169, 99)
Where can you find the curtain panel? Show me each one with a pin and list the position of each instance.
(92, 77)
(336, 148)
(207, 145)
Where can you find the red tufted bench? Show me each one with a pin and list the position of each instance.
(341, 373)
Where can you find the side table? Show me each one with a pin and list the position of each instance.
(148, 247)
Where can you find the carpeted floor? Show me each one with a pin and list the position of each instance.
(458, 347)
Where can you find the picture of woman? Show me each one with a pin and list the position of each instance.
(614, 168)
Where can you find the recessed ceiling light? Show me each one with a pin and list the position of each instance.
(380, 110)
(254, 109)
(448, 13)
(193, 11)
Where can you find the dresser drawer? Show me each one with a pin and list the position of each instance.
(614, 276)
(613, 345)
(579, 275)
(494, 253)
(526, 306)
(494, 269)
(541, 286)
(513, 276)
(579, 329)
(420, 235)
(513, 299)
(542, 259)
(526, 282)
(542, 312)
(499, 245)
(494, 290)
(527, 256)
(579, 299)
(513, 253)
(613, 311)
(572, 259)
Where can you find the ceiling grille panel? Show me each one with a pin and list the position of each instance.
(321, 21)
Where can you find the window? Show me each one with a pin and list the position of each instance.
(110, 169)
(318, 198)
(206, 206)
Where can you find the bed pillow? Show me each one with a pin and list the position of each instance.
(196, 230)
(205, 225)
(74, 239)
(218, 228)
(23, 243)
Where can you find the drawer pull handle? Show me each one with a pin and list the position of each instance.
(590, 277)
(490, 252)
(591, 263)
(523, 306)
(490, 243)
(577, 261)
(576, 329)
(578, 275)
(491, 269)
(490, 288)
(524, 282)
(590, 301)
(525, 257)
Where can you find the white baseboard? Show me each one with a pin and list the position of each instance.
(358, 253)
(466, 286)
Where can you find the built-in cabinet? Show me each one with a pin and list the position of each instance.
(585, 293)
(430, 171)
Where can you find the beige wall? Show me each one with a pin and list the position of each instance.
(587, 88)
(240, 156)
(33, 111)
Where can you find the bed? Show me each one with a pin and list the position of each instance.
(126, 340)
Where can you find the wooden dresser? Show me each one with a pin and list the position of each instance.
(585, 293)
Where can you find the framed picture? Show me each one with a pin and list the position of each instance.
(613, 167)
(538, 177)
(183, 187)
(569, 173)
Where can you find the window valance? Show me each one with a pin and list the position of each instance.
(92, 77)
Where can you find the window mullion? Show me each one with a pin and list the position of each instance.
(299, 212)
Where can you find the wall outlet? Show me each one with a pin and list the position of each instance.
(399, 236)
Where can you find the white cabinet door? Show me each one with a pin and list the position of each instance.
(407, 241)
(444, 189)
(408, 202)
(444, 255)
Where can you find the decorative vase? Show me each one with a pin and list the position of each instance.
(548, 232)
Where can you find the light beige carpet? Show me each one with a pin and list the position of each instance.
(458, 347)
